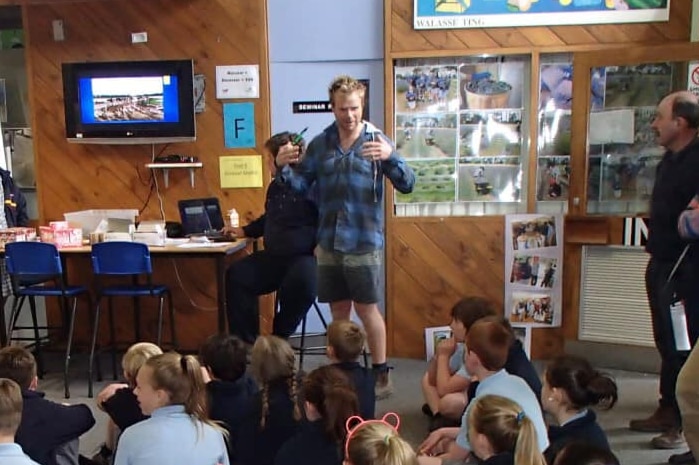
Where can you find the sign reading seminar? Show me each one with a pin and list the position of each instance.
(460, 14)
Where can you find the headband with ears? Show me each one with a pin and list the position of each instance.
(355, 423)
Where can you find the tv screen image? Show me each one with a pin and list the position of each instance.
(129, 102)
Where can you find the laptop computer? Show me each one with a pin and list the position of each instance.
(202, 217)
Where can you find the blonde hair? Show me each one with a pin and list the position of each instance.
(135, 357)
(507, 428)
(272, 359)
(378, 443)
(180, 376)
(347, 340)
(345, 85)
(10, 406)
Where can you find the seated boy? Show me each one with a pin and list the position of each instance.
(10, 415)
(118, 399)
(228, 387)
(445, 383)
(345, 345)
(488, 342)
(47, 428)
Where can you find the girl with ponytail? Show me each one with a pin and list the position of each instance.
(329, 400)
(571, 385)
(273, 415)
(500, 433)
(377, 442)
(170, 388)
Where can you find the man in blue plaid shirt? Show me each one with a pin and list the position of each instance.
(349, 161)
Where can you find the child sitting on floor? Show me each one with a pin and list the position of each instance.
(345, 345)
(329, 400)
(273, 415)
(377, 442)
(10, 416)
(500, 433)
(119, 401)
(229, 388)
(571, 385)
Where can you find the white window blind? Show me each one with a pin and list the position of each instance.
(613, 303)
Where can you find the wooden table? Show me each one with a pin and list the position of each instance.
(214, 251)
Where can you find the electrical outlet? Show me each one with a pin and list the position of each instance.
(58, 33)
(139, 37)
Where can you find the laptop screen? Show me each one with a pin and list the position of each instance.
(200, 215)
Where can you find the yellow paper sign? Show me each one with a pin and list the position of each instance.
(240, 171)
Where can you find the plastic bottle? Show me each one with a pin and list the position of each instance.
(234, 218)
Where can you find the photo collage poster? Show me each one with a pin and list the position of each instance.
(622, 167)
(534, 268)
(459, 127)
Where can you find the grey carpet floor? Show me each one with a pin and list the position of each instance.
(637, 398)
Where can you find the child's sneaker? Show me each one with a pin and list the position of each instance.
(383, 387)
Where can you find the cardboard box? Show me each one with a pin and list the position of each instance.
(63, 237)
(17, 235)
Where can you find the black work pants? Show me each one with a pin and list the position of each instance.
(686, 285)
(294, 279)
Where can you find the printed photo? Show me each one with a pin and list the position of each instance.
(426, 89)
(531, 308)
(553, 178)
(500, 181)
(433, 336)
(496, 133)
(536, 233)
(556, 87)
(490, 85)
(427, 135)
(534, 271)
(554, 133)
(627, 178)
(637, 86)
(435, 182)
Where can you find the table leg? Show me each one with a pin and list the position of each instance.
(221, 292)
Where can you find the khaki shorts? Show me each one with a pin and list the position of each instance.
(348, 276)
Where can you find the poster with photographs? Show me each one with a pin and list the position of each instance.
(524, 335)
(432, 337)
(534, 263)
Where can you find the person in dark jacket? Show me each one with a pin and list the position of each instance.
(329, 401)
(571, 385)
(286, 265)
(229, 389)
(273, 415)
(47, 427)
(345, 344)
(15, 203)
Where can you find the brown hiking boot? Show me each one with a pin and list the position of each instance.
(670, 439)
(383, 387)
(659, 422)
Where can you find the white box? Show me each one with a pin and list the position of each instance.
(89, 219)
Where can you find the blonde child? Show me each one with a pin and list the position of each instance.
(329, 400)
(118, 399)
(377, 442)
(273, 414)
(10, 417)
(501, 433)
(345, 345)
(170, 388)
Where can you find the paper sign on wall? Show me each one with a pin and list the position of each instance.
(240, 171)
(241, 81)
(239, 125)
(693, 78)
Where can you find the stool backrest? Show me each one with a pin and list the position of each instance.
(121, 258)
(32, 259)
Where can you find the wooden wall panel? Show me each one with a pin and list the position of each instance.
(75, 177)
(432, 262)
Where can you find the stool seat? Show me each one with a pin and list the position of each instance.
(134, 290)
(52, 291)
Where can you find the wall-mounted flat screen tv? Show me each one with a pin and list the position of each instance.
(129, 102)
